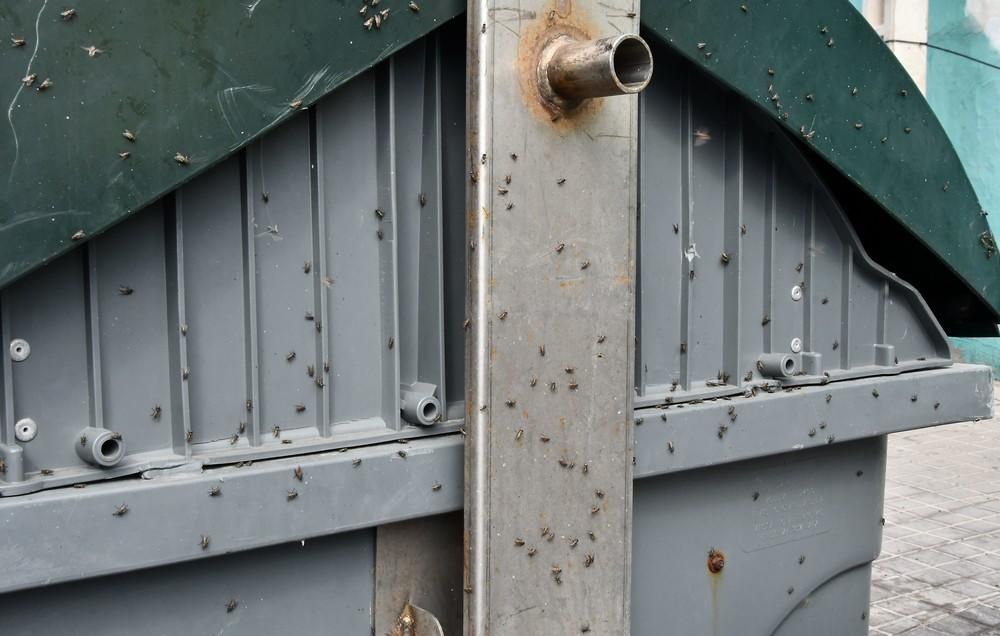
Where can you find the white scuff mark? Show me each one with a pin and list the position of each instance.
(228, 106)
(691, 253)
(252, 7)
(311, 83)
(986, 16)
(31, 217)
(10, 109)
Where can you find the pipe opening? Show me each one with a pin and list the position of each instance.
(632, 64)
(789, 366)
(429, 411)
(110, 448)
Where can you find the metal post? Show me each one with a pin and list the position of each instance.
(551, 240)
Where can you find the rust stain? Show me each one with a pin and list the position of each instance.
(716, 561)
(569, 282)
(557, 19)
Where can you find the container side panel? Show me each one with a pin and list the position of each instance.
(663, 126)
(783, 525)
(755, 264)
(453, 180)
(839, 607)
(410, 119)
(319, 586)
(279, 190)
(347, 145)
(210, 221)
(131, 294)
(51, 386)
(825, 290)
(863, 321)
(788, 256)
(704, 242)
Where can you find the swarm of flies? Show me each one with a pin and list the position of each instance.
(373, 17)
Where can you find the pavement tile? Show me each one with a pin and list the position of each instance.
(957, 626)
(939, 570)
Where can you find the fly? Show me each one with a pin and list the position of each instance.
(544, 438)
(189, 436)
(600, 339)
(124, 154)
(182, 159)
(422, 197)
(298, 473)
(560, 247)
(155, 413)
(311, 371)
(588, 560)
(29, 79)
(309, 316)
(16, 42)
(519, 434)
(502, 315)
(391, 343)
(291, 494)
(307, 267)
(46, 83)
(561, 181)
(128, 134)
(436, 487)
(92, 51)
(205, 539)
(295, 104)
(511, 403)
(68, 14)
(276, 431)
(234, 439)
(120, 510)
(584, 264)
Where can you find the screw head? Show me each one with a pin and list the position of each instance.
(797, 293)
(796, 345)
(19, 350)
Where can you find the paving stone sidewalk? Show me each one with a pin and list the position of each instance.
(939, 571)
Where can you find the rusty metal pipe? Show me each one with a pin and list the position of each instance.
(571, 71)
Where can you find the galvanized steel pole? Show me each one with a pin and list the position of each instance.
(551, 241)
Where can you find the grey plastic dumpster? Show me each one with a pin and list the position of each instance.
(234, 378)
